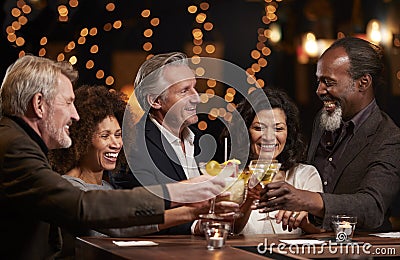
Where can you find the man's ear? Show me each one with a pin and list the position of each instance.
(365, 82)
(154, 101)
(38, 105)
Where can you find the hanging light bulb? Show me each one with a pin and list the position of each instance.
(378, 33)
(310, 45)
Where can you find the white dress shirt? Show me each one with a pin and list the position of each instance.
(186, 159)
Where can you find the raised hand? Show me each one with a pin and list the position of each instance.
(283, 196)
(195, 190)
(224, 206)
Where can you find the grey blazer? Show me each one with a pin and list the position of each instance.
(34, 200)
(367, 178)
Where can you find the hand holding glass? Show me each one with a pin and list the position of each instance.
(263, 171)
(234, 185)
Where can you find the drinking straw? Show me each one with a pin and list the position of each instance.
(225, 149)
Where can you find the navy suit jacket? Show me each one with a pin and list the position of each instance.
(367, 177)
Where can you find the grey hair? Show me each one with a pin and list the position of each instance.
(27, 76)
(150, 81)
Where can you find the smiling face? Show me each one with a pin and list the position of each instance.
(58, 116)
(105, 147)
(177, 108)
(268, 133)
(336, 88)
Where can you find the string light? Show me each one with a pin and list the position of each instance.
(201, 28)
(149, 32)
(271, 32)
(21, 13)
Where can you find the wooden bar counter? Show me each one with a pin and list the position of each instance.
(241, 247)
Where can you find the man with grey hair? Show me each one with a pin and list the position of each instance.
(37, 109)
(354, 145)
(165, 142)
(164, 138)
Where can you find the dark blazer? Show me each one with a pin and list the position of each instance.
(34, 200)
(152, 160)
(368, 176)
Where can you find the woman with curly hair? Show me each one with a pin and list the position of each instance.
(97, 138)
(95, 152)
(273, 132)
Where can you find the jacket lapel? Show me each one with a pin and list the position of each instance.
(317, 133)
(357, 143)
(153, 134)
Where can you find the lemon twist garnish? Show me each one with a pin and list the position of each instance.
(234, 161)
(213, 168)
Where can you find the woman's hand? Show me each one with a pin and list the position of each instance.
(254, 193)
(290, 220)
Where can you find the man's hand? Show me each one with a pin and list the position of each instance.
(223, 205)
(195, 190)
(283, 196)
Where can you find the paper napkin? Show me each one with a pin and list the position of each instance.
(135, 243)
(388, 234)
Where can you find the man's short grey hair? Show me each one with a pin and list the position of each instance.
(30, 75)
(150, 80)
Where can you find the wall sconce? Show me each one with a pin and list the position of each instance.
(378, 33)
(310, 45)
(311, 48)
(276, 33)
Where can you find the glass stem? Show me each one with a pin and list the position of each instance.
(212, 206)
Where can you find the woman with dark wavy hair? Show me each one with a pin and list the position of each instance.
(273, 132)
(98, 108)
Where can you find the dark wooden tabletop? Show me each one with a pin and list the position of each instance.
(364, 246)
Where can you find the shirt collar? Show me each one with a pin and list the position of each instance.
(188, 134)
(32, 134)
(361, 116)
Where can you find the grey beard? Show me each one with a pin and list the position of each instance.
(331, 122)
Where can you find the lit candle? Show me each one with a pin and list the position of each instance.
(216, 241)
(345, 227)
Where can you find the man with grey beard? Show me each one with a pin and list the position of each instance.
(331, 121)
(354, 145)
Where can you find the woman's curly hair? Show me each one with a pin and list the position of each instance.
(94, 104)
(294, 150)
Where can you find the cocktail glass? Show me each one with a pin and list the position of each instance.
(236, 186)
(264, 171)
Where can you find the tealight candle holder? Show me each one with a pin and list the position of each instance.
(344, 227)
(216, 234)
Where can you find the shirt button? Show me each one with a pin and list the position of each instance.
(330, 159)
(325, 183)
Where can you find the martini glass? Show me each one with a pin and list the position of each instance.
(264, 171)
